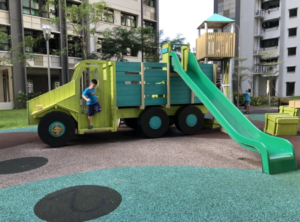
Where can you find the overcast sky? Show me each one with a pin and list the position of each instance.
(184, 16)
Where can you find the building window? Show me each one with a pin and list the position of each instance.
(149, 2)
(3, 5)
(38, 8)
(291, 69)
(150, 24)
(292, 32)
(4, 41)
(293, 12)
(74, 46)
(270, 5)
(40, 44)
(270, 24)
(290, 88)
(269, 43)
(292, 51)
(128, 20)
(109, 16)
(102, 46)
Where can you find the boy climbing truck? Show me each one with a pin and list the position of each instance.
(148, 96)
(89, 95)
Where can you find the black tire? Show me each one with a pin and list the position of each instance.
(176, 118)
(154, 122)
(189, 119)
(131, 123)
(56, 129)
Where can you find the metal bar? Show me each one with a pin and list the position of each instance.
(168, 87)
(142, 86)
(49, 77)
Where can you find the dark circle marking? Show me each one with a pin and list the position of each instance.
(79, 203)
(21, 164)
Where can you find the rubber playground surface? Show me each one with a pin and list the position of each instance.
(124, 177)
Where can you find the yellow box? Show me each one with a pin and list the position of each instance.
(294, 103)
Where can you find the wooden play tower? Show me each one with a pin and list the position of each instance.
(218, 46)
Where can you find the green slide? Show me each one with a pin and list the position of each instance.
(277, 154)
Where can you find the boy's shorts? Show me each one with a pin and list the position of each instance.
(247, 103)
(94, 108)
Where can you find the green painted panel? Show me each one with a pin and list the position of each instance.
(208, 70)
(155, 89)
(154, 64)
(125, 87)
(128, 78)
(155, 101)
(155, 79)
(128, 68)
(155, 71)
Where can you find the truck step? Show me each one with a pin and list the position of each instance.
(82, 131)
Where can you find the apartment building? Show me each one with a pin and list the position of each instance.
(272, 25)
(26, 17)
(267, 25)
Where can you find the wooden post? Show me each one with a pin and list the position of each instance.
(215, 73)
(192, 97)
(142, 86)
(168, 86)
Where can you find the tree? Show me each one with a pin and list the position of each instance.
(269, 70)
(83, 21)
(119, 42)
(160, 41)
(240, 74)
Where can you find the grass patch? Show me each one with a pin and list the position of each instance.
(15, 118)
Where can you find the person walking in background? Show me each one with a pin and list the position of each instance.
(247, 100)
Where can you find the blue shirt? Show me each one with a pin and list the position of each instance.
(247, 96)
(90, 94)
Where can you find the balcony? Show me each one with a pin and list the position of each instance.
(263, 70)
(34, 22)
(258, 32)
(215, 46)
(258, 13)
(149, 12)
(272, 13)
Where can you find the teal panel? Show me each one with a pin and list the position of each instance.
(155, 79)
(152, 89)
(154, 64)
(208, 70)
(126, 87)
(128, 101)
(128, 78)
(180, 92)
(156, 101)
(128, 68)
(165, 50)
(155, 72)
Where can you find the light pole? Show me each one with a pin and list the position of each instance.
(47, 36)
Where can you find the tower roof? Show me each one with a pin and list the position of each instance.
(217, 21)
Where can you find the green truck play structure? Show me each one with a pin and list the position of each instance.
(150, 97)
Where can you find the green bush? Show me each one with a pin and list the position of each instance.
(22, 98)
